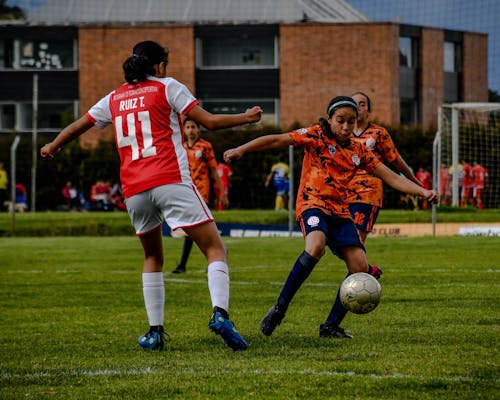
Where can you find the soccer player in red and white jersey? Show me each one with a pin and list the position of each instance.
(331, 159)
(480, 175)
(146, 113)
(225, 172)
(365, 190)
(425, 178)
(202, 165)
(467, 184)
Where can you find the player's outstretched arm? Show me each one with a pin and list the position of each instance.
(68, 134)
(403, 167)
(404, 185)
(223, 121)
(267, 142)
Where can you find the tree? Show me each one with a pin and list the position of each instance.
(10, 13)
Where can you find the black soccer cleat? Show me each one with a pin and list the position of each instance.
(271, 320)
(333, 332)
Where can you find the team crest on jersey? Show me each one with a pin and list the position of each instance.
(302, 131)
(198, 154)
(332, 149)
(355, 159)
(370, 143)
(312, 221)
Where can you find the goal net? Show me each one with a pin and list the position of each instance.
(468, 142)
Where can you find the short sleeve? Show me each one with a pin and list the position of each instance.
(100, 113)
(179, 97)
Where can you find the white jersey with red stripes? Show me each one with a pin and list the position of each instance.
(148, 131)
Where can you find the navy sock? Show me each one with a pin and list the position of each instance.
(186, 250)
(301, 269)
(337, 313)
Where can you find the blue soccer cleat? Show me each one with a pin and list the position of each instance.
(225, 328)
(153, 340)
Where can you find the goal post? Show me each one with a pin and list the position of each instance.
(468, 134)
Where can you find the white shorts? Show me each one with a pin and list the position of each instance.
(180, 205)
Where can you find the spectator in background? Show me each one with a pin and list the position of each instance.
(425, 178)
(467, 184)
(480, 177)
(21, 198)
(225, 172)
(4, 182)
(100, 196)
(445, 188)
(279, 176)
(117, 197)
(72, 197)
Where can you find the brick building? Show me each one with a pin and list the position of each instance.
(289, 60)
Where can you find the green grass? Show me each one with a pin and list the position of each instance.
(118, 223)
(71, 310)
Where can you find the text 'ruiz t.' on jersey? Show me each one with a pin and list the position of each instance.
(148, 131)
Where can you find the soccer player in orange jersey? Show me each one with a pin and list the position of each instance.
(331, 159)
(365, 190)
(202, 165)
(157, 186)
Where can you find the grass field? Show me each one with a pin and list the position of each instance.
(72, 309)
(118, 223)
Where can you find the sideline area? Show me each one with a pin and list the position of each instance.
(380, 230)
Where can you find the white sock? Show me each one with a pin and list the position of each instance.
(218, 284)
(153, 287)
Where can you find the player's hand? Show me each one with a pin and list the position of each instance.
(432, 197)
(232, 154)
(253, 114)
(48, 151)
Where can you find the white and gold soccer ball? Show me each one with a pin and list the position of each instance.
(360, 293)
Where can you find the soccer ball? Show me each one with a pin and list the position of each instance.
(360, 293)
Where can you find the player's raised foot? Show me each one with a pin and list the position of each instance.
(332, 331)
(375, 271)
(221, 325)
(153, 340)
(271, 320)
(179, 270)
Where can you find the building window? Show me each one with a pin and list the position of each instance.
(270, 107)
(38, 54)
(44, 54)
(408, 52)
(408, 111)
(242, 51)
(7, 116)
(449, 57)
(6, 53)
(52, 116)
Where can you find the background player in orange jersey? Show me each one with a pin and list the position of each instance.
(202, 165)
(366, 190)
(156, 183)
(331, 159)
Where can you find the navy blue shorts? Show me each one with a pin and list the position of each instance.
(339, 232)
(364, 215)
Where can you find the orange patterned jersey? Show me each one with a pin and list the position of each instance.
(201, 158)
(364, 187)
(327, 169)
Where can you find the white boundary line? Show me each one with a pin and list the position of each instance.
(256, 372)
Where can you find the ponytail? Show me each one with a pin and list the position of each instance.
(140, 64)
